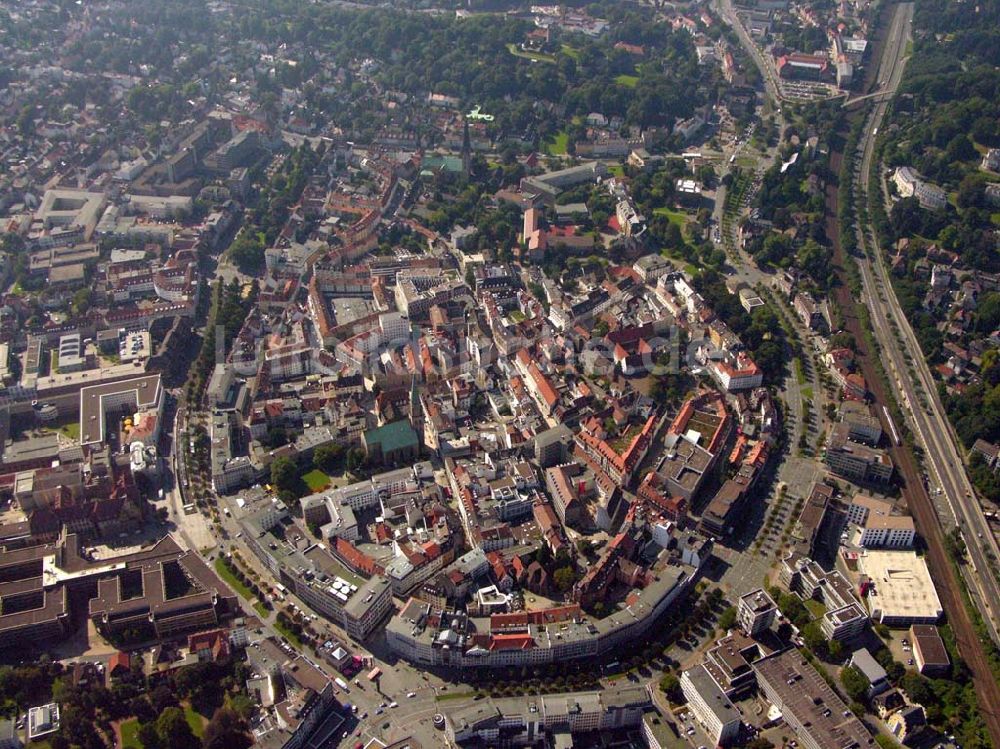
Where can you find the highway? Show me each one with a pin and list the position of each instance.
(943, 458)
(904, 363)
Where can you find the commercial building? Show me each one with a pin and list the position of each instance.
(845, 617)
(755, 612)
(728, 663)
(9, 735)
(651, 267)
(685, 466)
(43, 720)
(429, 636)
(907, 724)
(810, 706)
(66, 216)
(855, 461)
(300, 708)
(863, 505)
(547, 720)
(553, 445)
(810, 520)
(547, 186)
(750, 300)
(710, 706)
(910, 184)
(900, 588)
(659, 733)
(230, 470)
(157, 592)
(844, 623)
(311, 572)
(803, 67)
(929, 652)
(738, 373)
(137, 403)
(871, 669)
(887, 531)
(862, 425)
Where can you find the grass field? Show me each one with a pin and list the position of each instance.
(533, 56)
(558, 146)
(130, 729)
(316, 480)
(230, 579)
(629, 81)
(571, 51)
(71, 430)
(995, 218)
(617, 170)
(816, 608)
(288, 634)
(261, 610)
(454, 696)
(800, 375)
(675, 217)
(130, 734)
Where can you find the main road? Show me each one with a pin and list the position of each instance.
(766, 67)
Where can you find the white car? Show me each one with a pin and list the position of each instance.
(411, 695)
(393, 704)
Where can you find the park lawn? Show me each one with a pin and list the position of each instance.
(533, 56)
(617, 170)
(130, 729)
(675, 217)
(628, 81)
(995, 218)
(316, 480)
(231, 581)
(558, 146)
(261, 610)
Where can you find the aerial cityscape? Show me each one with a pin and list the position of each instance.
(439, 373)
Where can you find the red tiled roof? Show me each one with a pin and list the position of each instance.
(511, 642)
